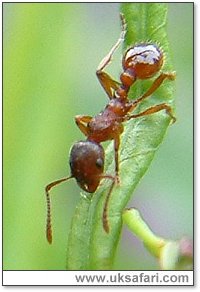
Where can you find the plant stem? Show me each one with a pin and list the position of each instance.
(137, 225)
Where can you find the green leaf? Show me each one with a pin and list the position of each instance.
(78, 245)
(139, 142)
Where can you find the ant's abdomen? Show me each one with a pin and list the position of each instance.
(143, 60)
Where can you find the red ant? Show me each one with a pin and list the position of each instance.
(141, 61)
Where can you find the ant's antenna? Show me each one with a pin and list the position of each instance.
(105, 208)
(47, 189)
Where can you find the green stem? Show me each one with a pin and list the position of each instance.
(137, 225)
(171, 254)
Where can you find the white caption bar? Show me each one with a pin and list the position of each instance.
(100, 278)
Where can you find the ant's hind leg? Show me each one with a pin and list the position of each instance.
(156, 84)
(152, 110)
(82, 122)
(106, 81)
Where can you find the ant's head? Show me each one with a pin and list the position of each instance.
(87, 164)
(143, 60)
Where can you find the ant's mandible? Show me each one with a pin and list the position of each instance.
(141, 61)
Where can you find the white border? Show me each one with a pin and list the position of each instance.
(67, 277)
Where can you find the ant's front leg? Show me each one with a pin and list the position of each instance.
(109, 84)
(82, 122)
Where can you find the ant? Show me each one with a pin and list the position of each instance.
(141, 61)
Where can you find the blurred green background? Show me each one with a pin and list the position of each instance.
(50, 54)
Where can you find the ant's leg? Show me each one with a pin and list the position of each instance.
(81, 121)
(107, 59)
(47, 189)
(157, 82)
(106, 81)
(152, 110)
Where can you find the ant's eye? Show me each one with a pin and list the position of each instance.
(99, 163)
